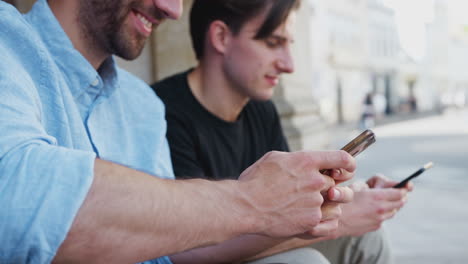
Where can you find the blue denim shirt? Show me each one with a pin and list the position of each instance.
(57, 114)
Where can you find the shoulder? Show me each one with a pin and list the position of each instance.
(23, 62)
(8, 12)
(19, 42)
(15, 30)
(171, 88)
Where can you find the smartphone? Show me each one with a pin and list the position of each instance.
(357, 145)
(414, 175)
(360, 143)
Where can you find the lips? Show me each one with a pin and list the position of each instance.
(272, 79)
(143, 23)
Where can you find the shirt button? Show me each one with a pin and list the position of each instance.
(95, 82)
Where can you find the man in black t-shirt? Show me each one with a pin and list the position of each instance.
(221, 120)
(204, 144)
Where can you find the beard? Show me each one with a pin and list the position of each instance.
(103, 24)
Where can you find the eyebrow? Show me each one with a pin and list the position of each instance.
(280, 38)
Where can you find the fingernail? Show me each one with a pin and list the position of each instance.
(339, 174)
(336, 194)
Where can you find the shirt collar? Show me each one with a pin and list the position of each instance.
(78, 72)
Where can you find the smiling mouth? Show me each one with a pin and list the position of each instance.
(146, 23)
(272, 80)
(143, 22)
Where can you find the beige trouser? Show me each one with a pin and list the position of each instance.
(296, 256)
(371, 248)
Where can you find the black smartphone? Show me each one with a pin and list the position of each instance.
(360, 143)
(414, 175)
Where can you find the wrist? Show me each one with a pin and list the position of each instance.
(234, 213)
(251, 219)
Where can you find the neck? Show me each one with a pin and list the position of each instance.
(215, 93)
(67, 15)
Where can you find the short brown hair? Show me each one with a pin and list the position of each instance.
(235, 13)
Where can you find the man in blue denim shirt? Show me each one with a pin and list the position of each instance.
(69, 116)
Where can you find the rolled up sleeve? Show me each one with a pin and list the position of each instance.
(42, 185)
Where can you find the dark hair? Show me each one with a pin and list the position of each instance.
(235, 13)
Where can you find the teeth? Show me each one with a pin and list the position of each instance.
(145, 21)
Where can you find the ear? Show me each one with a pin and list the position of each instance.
(219, 36)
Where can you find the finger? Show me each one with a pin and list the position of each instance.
(380, 181)
(340, 175)
(374, 181)
(391, 194)
(386, 208)
(340, 194)
(329, 182)
(358, 186)
(387, 184)
(389, 214)
(334, 160)
(330, 211)
(324, 229)
(409, 186)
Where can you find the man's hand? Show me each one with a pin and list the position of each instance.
(331, 212)
(284, 190)
(374, 202)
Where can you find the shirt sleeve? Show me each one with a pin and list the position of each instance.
(42, 185)
(163, 260)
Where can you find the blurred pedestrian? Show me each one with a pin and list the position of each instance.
(368, 112)
(413, 104)
(380, 104)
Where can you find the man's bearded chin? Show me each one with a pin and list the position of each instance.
(105, 29)
(125, 47)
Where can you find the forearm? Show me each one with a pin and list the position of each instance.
(231, 251)
(142, 217)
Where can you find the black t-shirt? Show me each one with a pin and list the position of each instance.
(203, 145)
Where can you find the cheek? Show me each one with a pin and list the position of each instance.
(253, 61)
(247, 65)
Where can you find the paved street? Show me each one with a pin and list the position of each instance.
(433, 227)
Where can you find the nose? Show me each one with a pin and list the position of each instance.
(171, 8)
(285, 62)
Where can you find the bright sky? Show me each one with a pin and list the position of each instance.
(412, 15)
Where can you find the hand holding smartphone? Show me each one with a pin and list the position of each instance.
(367, 138)
(357, 145)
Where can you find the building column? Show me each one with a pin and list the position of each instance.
(294, 98)
(172, 47)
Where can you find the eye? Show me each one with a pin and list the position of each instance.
(273, 42)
